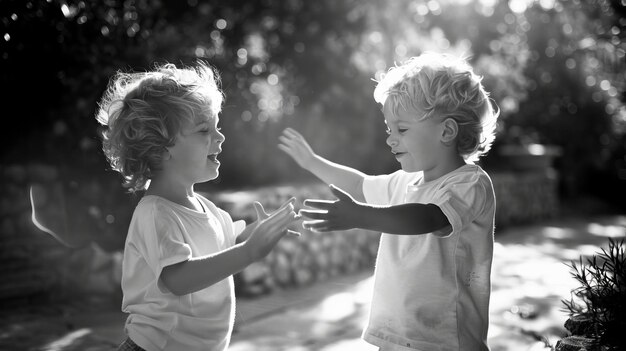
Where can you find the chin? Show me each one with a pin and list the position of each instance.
(210, 177)
(409, 168)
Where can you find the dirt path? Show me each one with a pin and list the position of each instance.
(529, 279)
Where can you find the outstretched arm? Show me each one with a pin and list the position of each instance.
(296, 146)
(347, 213)
(201, 272)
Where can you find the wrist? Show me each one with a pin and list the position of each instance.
(364, 214)
(247, 252)
(313, 163)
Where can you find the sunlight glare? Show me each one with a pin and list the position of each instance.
(557, 233)
(67, 340)
(547, 4)
(518, 6)
(36, 222)
(352, 344)
(609, 231)
(337, 307)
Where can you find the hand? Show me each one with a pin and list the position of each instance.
(269, 228)
(341, 214)
(294, 145)
(261, 215)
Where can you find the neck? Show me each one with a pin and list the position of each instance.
(177, 192)
(446, 166)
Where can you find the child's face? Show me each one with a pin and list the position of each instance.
(194, 155)
(415, 142)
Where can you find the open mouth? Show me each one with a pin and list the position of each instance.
(398, 154)
(213, 157)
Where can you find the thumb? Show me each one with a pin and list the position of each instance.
(339, 193)
(260, 211)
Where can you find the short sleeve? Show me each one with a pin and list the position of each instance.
(239, 226)
(171, 247)
(159, 239)
(380, 189)
(462, 199)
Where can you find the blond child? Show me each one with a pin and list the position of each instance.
(432, 278)
(181, 250)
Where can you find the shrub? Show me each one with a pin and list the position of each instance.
(600, 301)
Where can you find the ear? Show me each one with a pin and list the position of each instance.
(166, 154)
(449, 131)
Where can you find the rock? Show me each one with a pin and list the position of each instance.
(575, 343)
(580, 325)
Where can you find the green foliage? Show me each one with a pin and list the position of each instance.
(601, 296)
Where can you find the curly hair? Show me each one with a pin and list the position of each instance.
(443, 86)
(142, 114)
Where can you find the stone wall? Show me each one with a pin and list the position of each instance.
(85, 257)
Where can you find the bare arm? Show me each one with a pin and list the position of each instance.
(346, 213)
(349, 179)
(201, 272)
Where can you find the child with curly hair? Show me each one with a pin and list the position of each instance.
(432, 280)
(181, 250)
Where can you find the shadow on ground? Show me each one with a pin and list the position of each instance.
(530, 278)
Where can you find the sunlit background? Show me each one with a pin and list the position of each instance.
(555, 68)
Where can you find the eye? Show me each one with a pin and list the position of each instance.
(402, 130)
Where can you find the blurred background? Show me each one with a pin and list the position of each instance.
(555, 68)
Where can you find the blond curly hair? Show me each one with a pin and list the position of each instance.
(142, 114)
(443, 86)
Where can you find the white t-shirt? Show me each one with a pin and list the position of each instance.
(431, 291)
(163, 233)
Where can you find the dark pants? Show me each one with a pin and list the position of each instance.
(129, 345)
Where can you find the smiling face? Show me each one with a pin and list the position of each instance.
(415, 142)
(194, 155)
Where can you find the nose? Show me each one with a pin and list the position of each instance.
(219, 137)
(391, 141)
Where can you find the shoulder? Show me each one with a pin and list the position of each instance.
(469, 173)
(469, 182)
(156, 213)
(214, 209)
(153, 206)
(398, 178)
(387, 188)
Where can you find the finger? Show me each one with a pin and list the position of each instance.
(284, 209)
(314, 214)
(320, 204)
(287, 206)
(294, 133)
(287, 150)
(280, 229)
(293, 233)
(284, 140)
(317, 226)
(260, 211)
(291, 200)
(290, 132)
(289, 143)
(339, 193)
(295, 136)
(280, 218)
